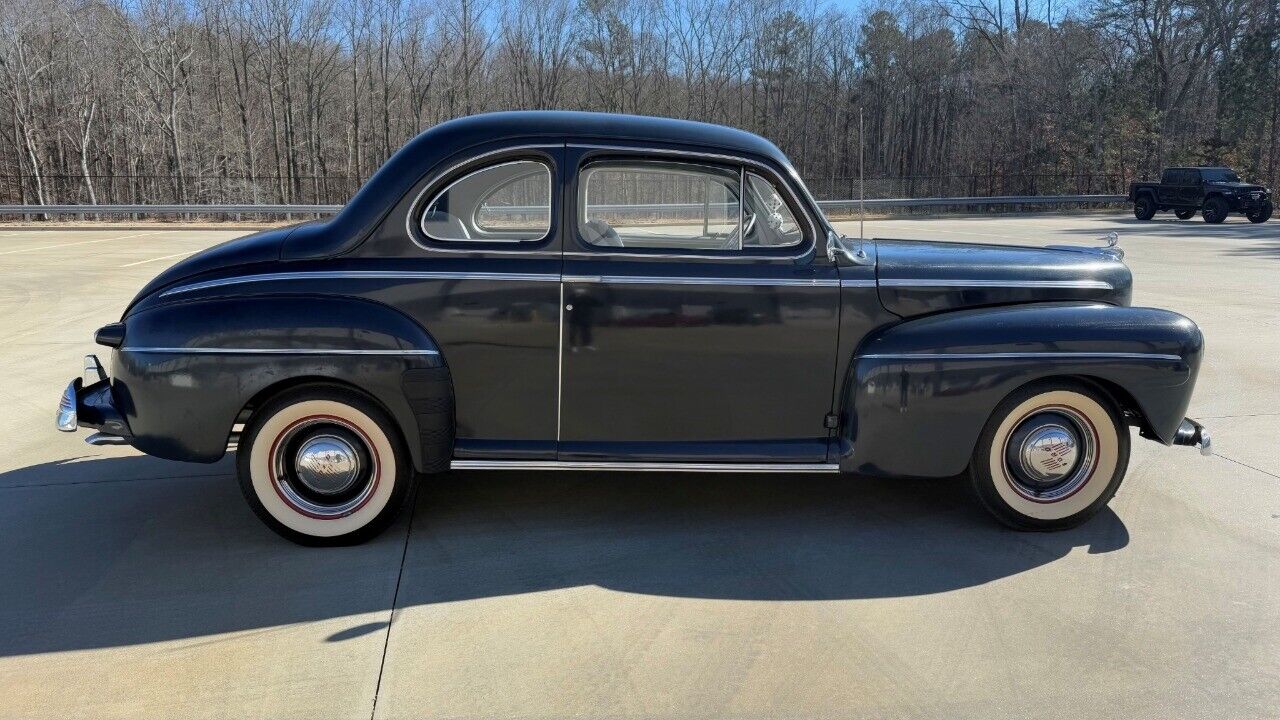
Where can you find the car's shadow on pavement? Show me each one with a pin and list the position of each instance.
(96, 558)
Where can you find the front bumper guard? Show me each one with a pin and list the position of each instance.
(1193, 434)
(89, 402)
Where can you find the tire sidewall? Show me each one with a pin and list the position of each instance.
(1262, 215)
(1215, 210)
(1144, 208)
(393, 473)
(991, 479)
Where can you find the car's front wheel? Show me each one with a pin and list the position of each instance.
(1260, 215)
(1215, 210)
(324, 466)
(1051, 456)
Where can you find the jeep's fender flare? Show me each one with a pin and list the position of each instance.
(917, 394)
(187, 369)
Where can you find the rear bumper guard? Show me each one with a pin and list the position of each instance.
(93, 405)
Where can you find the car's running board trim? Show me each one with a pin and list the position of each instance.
(642, 466)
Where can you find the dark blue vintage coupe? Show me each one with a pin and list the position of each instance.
(575, 291)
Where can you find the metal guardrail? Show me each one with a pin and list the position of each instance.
(169, 209)
(845, 205)
(979, 201)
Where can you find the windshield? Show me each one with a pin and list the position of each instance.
(1220, 175)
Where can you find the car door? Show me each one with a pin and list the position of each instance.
(480, 271)
(698, 327)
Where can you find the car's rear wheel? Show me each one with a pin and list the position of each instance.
(1184, 214)
(1051, 456)
(1215, 210)
(1261, 214)
(324, 466)
(1144, 208)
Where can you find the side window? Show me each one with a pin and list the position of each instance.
(660, 205)
(766, 217)
(506, 202)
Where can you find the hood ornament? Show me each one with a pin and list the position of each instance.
(1113, 245)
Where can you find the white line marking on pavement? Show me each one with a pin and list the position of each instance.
(162, 257)
(82, 242)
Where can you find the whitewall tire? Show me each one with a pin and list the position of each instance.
(323, 466)
(1051, 456)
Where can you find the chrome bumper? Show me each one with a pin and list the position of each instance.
(1193, 434)
(89, 402)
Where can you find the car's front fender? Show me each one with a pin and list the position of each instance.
(918, 394)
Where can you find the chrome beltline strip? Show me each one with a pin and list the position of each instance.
(959, 282)
(641, 466)
(857, 283)
(270, 351)
(362, 275)
(926, 357)
(679, 280)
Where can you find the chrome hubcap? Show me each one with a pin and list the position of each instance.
(1051, 454)
(324, 468)
(327, 464)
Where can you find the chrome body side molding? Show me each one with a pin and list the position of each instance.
(643, 466)
(683, 280)
(270, 351)
(929, 357)
(360, 275)
(963, 283)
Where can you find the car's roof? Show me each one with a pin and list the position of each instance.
(597, 127)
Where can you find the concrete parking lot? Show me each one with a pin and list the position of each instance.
(133, 587)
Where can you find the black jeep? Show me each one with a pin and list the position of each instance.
(1214, 191)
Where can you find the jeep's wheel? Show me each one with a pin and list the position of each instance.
(323, 466)
(1261, 214)
(1184, 214)
(1050, 457)
(1215, 210)
(1144, 208)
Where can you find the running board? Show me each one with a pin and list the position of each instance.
(643, 466)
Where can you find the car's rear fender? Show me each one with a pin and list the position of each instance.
(918, 394)
(186, 370)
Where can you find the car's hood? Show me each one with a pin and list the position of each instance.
(917, 277)
(262, 247)
(1237, 186)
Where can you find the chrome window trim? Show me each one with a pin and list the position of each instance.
(1065, 355)
(361, 275)
(416, 205)
(270, 351)
(642, 466)
(684, 280)
(768, 171)
(947, 282)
